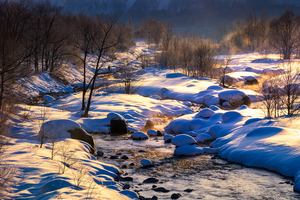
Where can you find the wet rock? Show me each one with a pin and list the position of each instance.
(154, 186)
(154, 198)
(132, 164)
(114, 157)
(141, 151)
(127, 178)
(124, 166)
(100, 154)
(176, 196)
(118, 154)
(159, 133)
(149, 125)
(124, 157)
(146, 163)
(151, 180)
(118, 126)
(126, 187)
(139, 136)
(189, 190)
(161, 189)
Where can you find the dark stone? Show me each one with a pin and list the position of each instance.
(80, 134)
(125, 157)
(215, 157)
(189, 190)
(151, 180)
(132, 164)
(118, 178)
(124, 166)
(149, 125)
(253, 82)
(142, 151)
(176, 196)
(161, 189)
(114, 157)
(100, 154)
(154, 198)
(118, 127)
(127, 179)
(126, 187)
(159, 133)
(169, 140)
(118, 154)
(246, 101)
(154, 186)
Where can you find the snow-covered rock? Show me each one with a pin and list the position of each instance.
(178, 126)
(214, 108)
(152, 132)
(139, 136)
(196, 123)
(115, 116)
(226, 104)
(183, 139)
(232, 95)
(168, 138)
(205, 113)
(146, 163)
(48, 99)
(203, 137)
(176, 75)
(188, 150)
(231, 115)
(214, 87)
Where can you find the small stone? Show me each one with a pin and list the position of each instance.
(126, 187)
(118, 154)
(132, 164)
(176, 196)
(124, 157)
(161, 189)
(100, 154)
(189, 190)
(154, 198)
(141, 151)
(146, 163)
(154, 186)
(124, 166)
(150, 180)
(127, 179)
(114, 157)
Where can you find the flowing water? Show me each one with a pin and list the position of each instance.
(207, 175)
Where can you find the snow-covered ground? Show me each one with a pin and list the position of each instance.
(242, 135)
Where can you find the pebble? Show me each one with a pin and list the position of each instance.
(114, 157)
(161, 189)
(124, 166)
(151, 180)
(100, 153)
(189, 190)
(125, 157)
(127, 178)
(132, 164)
(176, 196)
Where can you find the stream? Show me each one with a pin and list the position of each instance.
(206, 176)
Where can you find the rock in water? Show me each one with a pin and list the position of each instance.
(139, 136)
(118, 126)
(146, 163)
(175, 196)
(149, 125)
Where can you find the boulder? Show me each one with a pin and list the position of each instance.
(146, 163)
(118, 126)
(80, 134)
(234, 97)
(168, 138)
(152, 132)
(149, 125)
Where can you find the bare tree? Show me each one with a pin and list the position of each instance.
(224, 69)
(284, 33)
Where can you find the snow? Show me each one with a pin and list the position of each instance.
(232, 95)
(188, 150)
(48, 98)
(152, 132)
(168, 138)
(178, 126)
(183, 139)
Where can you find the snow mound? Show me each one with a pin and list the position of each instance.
(155, 96)
(250, 78)
(203, 137)
(178, 126)
(195, 124)
(55, 185)
(188, 150)
(231, 115)
(139, 136)
(214, 108)
(146, 163)
(183, 139)
(152, 132)
(214, 87)
(48, 99)
(265, 131)
(176, 75)
(205, 113)
(252, 120)
(168, 138)
(232, 95)
(58, 127)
